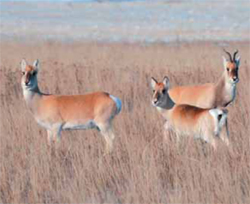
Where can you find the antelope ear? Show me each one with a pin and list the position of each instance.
(224, 62)
(166, 82)
(153, 82)
(237, 61)
(23, 65)
(36, 65)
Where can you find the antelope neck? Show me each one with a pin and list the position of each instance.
(168, 103)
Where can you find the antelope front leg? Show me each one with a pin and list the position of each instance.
(166, 132)
(167, 126)
(49, 137)
(56, 132)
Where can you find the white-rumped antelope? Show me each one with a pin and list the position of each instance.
(57, 113)
(205, 124)
(211, 95)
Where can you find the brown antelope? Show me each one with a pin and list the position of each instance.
(211, 95)
(57, 113)
(205, 124)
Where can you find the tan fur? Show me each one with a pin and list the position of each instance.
(56, 113)
(186, 119)
(201, 96)
(210, 95)
(76, 107)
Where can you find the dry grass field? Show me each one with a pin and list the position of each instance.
(143, 168)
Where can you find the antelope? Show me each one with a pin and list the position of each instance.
(66, 112)
(205, 124)
(211, 95)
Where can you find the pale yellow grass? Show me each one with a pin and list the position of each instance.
(143, 168)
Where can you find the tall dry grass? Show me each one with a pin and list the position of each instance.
(142, 168)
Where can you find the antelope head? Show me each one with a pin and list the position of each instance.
(231, 66)
(29, 78)
(160, 92)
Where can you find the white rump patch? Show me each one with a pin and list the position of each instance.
(215, 112)
(118, 103)
(218, 123)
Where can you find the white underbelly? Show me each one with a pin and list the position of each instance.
(68, 125)
(79, 126)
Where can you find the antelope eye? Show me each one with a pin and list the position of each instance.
(164, 91)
